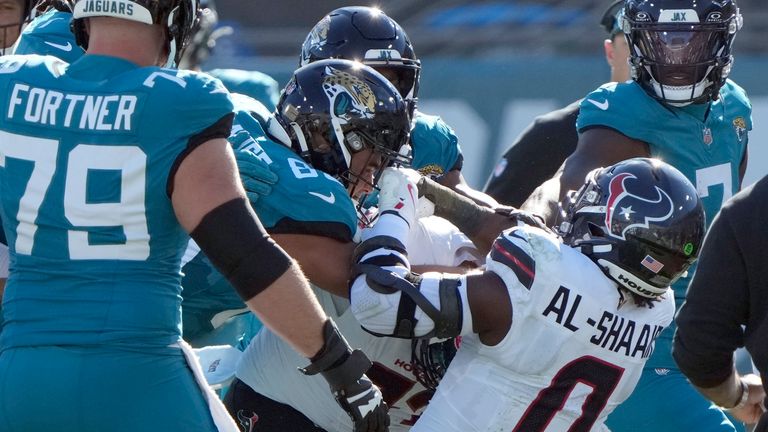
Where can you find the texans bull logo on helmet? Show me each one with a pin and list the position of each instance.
(621, 213)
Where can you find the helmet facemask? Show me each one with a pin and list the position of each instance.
(334, 110)
(430, 359)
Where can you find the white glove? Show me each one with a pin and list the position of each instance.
(398, 193)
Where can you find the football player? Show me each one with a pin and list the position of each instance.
(368, 35)
(525, 165)
(97, 198)
(681, 108)
(554, 333)
(318, 142)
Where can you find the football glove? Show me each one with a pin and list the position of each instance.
(255, 174)
(344, 370)
(398, 193)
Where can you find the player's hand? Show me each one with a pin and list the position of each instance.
(363, 401)
(398, 193)
(751, 412)
(255, 174)
(523, 217)
(344, 370)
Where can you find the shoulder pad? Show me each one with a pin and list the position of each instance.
(308, 197)
(624, 107)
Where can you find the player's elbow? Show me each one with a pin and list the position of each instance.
(376, 312)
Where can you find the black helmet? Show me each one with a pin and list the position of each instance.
(203, 37)
(369, 36)
(680, 50)
(351, 106)
(640, 220)
(178, 17)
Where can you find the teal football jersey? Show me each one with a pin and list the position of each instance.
(257, 85)
(435, 146)
(304, 200)
(706, 144)
(50, 34)
(87, 154)
(212, 311)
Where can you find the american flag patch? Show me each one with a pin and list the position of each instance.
(651, 264)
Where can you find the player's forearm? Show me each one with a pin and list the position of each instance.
(481, 224)
(727, 394)
(289, 308)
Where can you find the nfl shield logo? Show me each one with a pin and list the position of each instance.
(707, 136)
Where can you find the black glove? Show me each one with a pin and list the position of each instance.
(344, 370)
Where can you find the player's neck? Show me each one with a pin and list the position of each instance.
(126, 40)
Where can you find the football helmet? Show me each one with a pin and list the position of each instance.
(177, 16)
(349, 105)
(430, 359)
(640, 220)
(369, 36)
(680, 50)
(204, 36)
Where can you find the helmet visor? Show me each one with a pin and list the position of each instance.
(680, 58)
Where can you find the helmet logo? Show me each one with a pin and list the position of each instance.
(642, 17)
(316, 39)
(741, 128)
(359, 99)
(715, 17)
(620, 215)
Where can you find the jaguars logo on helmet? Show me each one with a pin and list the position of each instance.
(337, 83)
(351, 107)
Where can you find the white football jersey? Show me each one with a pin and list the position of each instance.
(574, 351)
(269, 365)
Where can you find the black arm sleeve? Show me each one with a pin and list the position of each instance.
(709, 322)
(232, 237)
(535, 156)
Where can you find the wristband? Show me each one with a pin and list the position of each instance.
(743, 399)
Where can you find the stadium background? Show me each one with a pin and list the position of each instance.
(488, 67)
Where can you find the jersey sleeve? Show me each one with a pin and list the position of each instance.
(512, 259)
(304, 200)
(622, 107)
(203, 101)
(535, 156)
(435, 146)
(257, 85)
